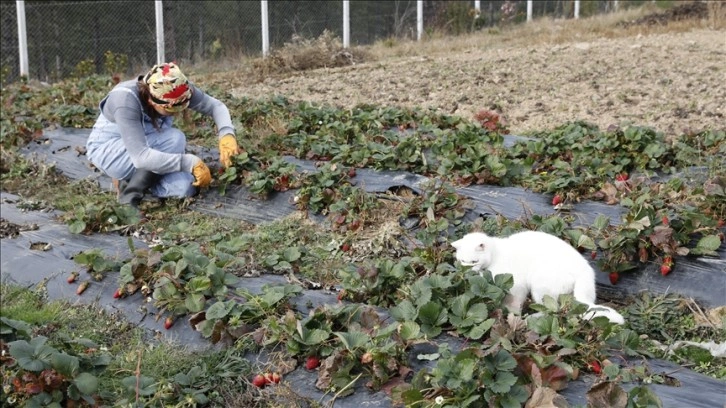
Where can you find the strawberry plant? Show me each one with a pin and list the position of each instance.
(239, 315)
(101, 218)
(452, 302)
(378, 283)
(41, 374)
(319, 189)
(275, 175)
(96, 263)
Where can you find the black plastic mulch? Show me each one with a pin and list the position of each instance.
(704, 279)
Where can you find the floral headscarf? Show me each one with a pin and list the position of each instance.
(168, 86)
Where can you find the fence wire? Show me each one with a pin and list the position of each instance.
(74, 38)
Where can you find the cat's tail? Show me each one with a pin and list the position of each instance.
(584, 292)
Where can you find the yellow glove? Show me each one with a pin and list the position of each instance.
(201, 173)
(227, 148)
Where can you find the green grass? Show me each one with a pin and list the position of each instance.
(23, 304)
(130, 347)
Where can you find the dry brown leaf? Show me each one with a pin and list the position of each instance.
(610, 194)
(544, 397)
(555, 377)
(661, 235)
(607, 394)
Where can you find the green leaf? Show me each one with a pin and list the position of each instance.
(550, 303)
(404, 311)
(353, 339)
(480, 330)
(601, 222)
(430, 331)
(65, 364)
(314, 336)
(586, 242)
(504, 380)
(32, 356)
(432, 314)
(199, 284)
(707, 245)
(146, 385)
(503, 361)
(7, 326)
(230, 279)
(459, 305)
(219, 310)
(409, 330)
(611, 371)
(504, 281)
(291, 254)
(87, 383)
(195, 302)
(420, 292)
(478, 311)
(412, 397)
(77, 226)
(272, 295)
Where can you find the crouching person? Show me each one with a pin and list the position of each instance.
(133, 140)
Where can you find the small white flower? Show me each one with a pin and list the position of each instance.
(320, 122)
(439, 400)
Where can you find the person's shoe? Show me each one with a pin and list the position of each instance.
(133, 191)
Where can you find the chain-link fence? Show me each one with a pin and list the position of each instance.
(67, 38)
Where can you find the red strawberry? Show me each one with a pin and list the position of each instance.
(345, 247)
(665, 269)
(312, 363)
(168, 323)
(595, 367)
(622, 177)
(593, 255)
(119, 292)
(351, 172)
(82, 287)
(720, 223)
(614, 277)
(72, 277)
(354, 225)
(665, 220)
(259, 381)
(668, 260)
(556, 199)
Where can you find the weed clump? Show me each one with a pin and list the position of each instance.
(302, 54)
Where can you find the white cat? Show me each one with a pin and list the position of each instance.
(540, 264)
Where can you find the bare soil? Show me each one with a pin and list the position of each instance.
(672, 81)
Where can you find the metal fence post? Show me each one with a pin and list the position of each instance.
(265, 28)
(419, 19)
(160, 57)
(577, 9)
(22, 39)
(346, 23)
(529, 10)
